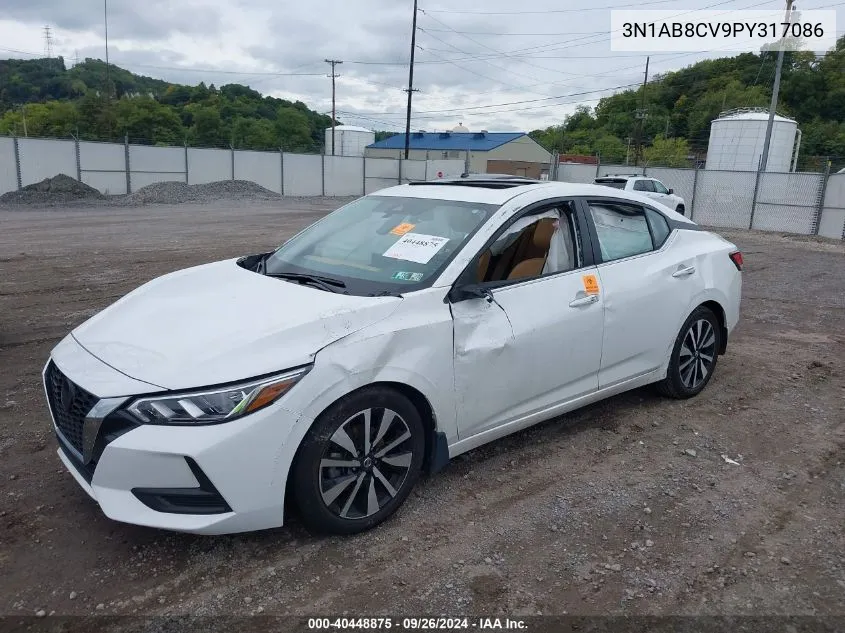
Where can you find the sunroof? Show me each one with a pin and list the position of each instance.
(492, 183)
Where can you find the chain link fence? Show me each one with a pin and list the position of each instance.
(788, 202)
(806, 203)
(723, 198)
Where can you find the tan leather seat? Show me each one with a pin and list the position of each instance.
(483, 265)
(532, 265)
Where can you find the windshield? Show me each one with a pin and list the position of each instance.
(382, 244)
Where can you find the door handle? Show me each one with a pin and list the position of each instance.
(684, 272)
(583, 301)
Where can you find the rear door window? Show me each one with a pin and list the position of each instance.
(659, 227)
(622, 229)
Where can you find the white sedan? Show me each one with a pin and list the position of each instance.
(399, 331)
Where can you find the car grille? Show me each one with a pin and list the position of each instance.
(69, 404)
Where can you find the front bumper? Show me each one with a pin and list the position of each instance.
(235, 473)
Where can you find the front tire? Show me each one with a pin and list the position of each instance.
(694, 356)
(680, 209)
(358, 462)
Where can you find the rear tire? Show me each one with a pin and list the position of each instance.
(358, 462)
(694, 356)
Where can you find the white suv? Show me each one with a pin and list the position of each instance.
(650, 187)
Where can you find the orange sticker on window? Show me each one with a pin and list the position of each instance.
(401, 229)
(591, 284)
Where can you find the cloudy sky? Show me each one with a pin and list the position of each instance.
(496, 68)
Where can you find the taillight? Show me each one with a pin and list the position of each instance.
(736, 258)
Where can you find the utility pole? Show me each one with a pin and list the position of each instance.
(641, 114)
(410, 89)
(106, 20)
(764, 159)
(333, 62)
(108, 72)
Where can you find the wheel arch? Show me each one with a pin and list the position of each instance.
(436, 445)
(716, 308)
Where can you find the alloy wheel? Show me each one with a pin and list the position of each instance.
(365, 463)
(697, 353)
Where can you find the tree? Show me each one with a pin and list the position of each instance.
(208, 129)
(255, 134)
(668, 152)
(292, 128)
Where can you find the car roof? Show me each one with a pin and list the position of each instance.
(612, 177)
(498, 191)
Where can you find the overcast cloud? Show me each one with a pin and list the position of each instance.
(499, 71)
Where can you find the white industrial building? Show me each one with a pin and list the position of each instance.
(737, 138)
(349, 140)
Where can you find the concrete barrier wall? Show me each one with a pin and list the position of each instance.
(263, 168)
(42, 159)
(8, 171)
(435, 169)
(413, 170)
(155, 164)
(832, 222)
(303, 175)
(344, 176)
(103, 166)
(784, 202)
(209, 165)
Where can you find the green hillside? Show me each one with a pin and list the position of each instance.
(52, 100)
(683, 103)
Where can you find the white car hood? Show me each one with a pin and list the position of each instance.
(220, 323)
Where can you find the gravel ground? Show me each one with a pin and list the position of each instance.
(62, 192)
(628, 507)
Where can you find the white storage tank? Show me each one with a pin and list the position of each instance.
(349, 140)
(737, 138)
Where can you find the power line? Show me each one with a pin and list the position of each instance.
(547, 11)
(511, 103)
(474, 58)
(475, 41)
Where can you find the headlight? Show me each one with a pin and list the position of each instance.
(214, 405)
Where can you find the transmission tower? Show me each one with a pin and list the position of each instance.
(48, 43)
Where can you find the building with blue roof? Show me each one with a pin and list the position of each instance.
(513, 153)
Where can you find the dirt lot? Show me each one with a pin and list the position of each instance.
(627, 507)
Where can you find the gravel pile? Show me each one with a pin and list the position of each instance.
(180, 192)
(60, 189)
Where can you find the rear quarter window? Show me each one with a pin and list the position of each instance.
(659, 227)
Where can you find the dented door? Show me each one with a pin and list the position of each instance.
(538, 344)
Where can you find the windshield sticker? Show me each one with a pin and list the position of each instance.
(416, 247)
(403, 228)
(591, 284)
(403, 276)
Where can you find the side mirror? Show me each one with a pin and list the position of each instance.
(671, 190)
(470, 291)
